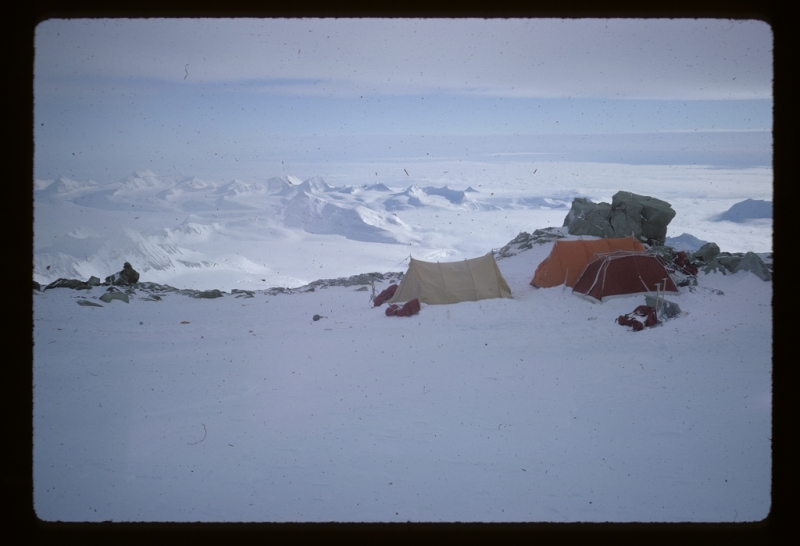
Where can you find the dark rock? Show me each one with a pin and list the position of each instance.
(243, 293)
(753, 263)
(707, 252)
(644, 217)
(37, 286)
(207, 294)
(75, 284)
(587, 218)
(728, 261)
(725, 262)
(125, 277)
(525, 241)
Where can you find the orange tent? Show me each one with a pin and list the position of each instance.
(568, 259)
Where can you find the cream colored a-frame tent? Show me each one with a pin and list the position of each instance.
(452, 282)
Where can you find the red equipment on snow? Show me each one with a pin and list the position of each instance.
(642, 317)
(410, 308)
(385, 295)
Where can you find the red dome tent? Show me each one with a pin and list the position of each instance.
(623, 273)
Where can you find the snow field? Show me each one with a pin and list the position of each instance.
(538, 408)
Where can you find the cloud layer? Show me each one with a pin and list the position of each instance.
(652, 59)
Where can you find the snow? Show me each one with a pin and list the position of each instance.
(537, 408)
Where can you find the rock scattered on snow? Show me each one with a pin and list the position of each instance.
(243, 293)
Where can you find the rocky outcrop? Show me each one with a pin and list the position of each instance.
(710, 260)
(126, 277)
(525, 241)
(206, 294)
(364, 279)
(644, 217)
(753, 263)
(75, 284)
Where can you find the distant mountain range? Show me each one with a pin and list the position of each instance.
(151, 235)
(749, 209)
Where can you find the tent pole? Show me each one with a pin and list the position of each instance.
(658, 291)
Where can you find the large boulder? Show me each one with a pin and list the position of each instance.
(126, 277)
(707, 252)
(752, 262)
(587, 218)
(644, 217)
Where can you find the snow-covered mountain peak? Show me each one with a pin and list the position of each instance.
(64, 186)
(315, 185)
(138, 181)
(282, 185)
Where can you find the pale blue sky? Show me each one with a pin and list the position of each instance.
(240, 96)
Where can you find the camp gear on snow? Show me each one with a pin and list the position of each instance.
(665, 308)
(642, 317)
(623, 273)
(385, 295)
(452, 282)
(568, 258)
(682, 262)
(410, 308)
